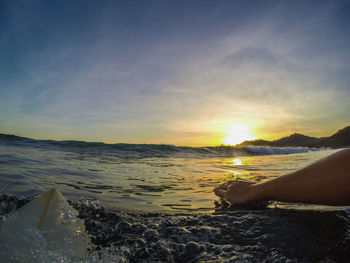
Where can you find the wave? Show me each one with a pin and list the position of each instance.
(265, 150)
(124, 150)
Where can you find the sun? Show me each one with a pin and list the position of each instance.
(237, 133)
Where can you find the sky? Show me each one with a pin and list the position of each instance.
(194, 73)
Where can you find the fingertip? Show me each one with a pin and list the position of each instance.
(222, 186)
(220, 193)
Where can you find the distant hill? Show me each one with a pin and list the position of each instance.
(340, 139)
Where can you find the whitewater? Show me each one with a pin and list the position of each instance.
(139, 177)
(155, 203)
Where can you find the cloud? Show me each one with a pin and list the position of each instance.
(255, 56)
(170, 71)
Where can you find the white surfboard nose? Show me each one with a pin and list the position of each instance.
(46, 225)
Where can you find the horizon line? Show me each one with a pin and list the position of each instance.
(112, 143)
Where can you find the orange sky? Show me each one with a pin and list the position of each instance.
(194, 73)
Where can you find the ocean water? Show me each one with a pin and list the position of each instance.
(155, 203)
(151, 178)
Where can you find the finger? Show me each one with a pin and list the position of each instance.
(221, 193)
(223, 186)
(242, 180)
(220, 188)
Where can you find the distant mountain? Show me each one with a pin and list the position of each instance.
(340, 139)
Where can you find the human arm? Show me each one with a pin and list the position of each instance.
(325, 182)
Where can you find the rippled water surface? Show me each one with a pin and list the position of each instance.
(158, 183)
(179, 182)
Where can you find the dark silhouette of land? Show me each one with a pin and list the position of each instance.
(340, 139)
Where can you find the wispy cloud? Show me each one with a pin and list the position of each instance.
(170, 72)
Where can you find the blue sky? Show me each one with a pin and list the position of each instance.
(176, 72)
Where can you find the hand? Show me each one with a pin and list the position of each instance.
(236, 192)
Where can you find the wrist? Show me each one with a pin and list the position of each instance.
(257, 192)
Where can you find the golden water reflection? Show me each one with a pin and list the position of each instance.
(237, 161)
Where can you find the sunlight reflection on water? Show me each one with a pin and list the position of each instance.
(144, 184)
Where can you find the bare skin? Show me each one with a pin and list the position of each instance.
(325, 182)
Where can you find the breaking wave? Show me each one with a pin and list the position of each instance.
(124, 150)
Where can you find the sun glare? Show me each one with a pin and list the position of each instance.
(237, 133)
(237, 161)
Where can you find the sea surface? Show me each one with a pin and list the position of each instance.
(155, 203)
(133, 177)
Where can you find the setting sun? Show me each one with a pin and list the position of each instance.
(237, 133)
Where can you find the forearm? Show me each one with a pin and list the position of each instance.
(324, 182)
